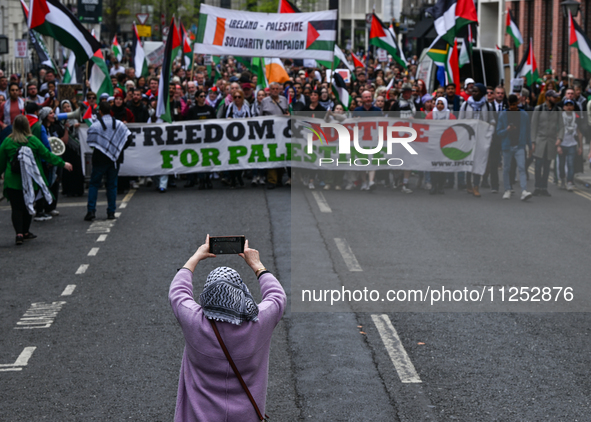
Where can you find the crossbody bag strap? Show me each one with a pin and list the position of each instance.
(244, 386)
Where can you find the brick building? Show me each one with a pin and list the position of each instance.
(544, 21)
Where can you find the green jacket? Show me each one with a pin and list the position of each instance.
(8, 150)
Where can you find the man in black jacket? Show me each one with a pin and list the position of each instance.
(138, 108)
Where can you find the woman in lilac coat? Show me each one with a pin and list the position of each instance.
(209, 391)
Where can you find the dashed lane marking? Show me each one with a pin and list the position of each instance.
(117, 214)
(21, 361)
(321, 201)
(101, 226)
(404, 367)
(102, 238)
(82, 269)
(93, 252)
(69, 290)
(347, 254)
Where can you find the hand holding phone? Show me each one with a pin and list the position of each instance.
(226, 244)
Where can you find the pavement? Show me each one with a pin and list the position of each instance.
(111, 349)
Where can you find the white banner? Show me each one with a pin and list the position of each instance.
(440, 145)
(250, 34)
(266, 142)
(205, 145)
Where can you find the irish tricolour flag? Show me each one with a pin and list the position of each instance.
(528, 67)
(383, 38)
(513, 30)
(51, 18)
(580, 41)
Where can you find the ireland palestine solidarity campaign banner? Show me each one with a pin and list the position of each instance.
(251, 34)
(277, 141)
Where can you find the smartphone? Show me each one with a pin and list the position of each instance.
(226, 244)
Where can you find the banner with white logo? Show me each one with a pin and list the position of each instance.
(251, 34)
(438, 145)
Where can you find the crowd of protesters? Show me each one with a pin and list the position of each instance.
(228, 90)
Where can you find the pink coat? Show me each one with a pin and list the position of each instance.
(208, 388)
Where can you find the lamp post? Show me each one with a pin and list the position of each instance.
(573, 7)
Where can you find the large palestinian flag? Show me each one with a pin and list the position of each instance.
(383, 38)
(138, 55)
(580, 41)
(528, 67)
(513, 30)
(171, 50)
(51, 18)
(452, 15)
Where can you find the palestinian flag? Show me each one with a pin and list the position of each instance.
(580, 41)
(51, 18)
(452, 67)
(88, 116)
(116, 48)
(452, 15)
(528, 67)
(383, 38)
(339, 88)
(138, 55)
(287, 7)
(100, 81)
(513, 30)
(171, 50)
(321, 35)
(356, 61)
(187, 49)
(70, 75)
(464, 57)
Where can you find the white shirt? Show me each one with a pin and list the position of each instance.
(115, 70)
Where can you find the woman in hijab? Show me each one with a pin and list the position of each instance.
(440, 112)
(209, 390)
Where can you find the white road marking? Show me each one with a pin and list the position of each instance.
(404, 367)
(21, 361)
(93, 252)
(348, 255)
(68, 290)
(39, 315)
(117, 214)
(65, 205)
(123, 205)
(101, 226)
(82, 269)
(321, 201)
(102, 238)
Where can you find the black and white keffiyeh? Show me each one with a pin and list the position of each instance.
(108, 136)
(226, 298)
(29, 174)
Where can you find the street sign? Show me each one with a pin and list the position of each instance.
(144, 30)
(90, 11)
(142, 18)
(20, 49)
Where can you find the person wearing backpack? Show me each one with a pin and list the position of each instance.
(20, 161)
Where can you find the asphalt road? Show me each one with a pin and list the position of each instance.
(112, 347)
